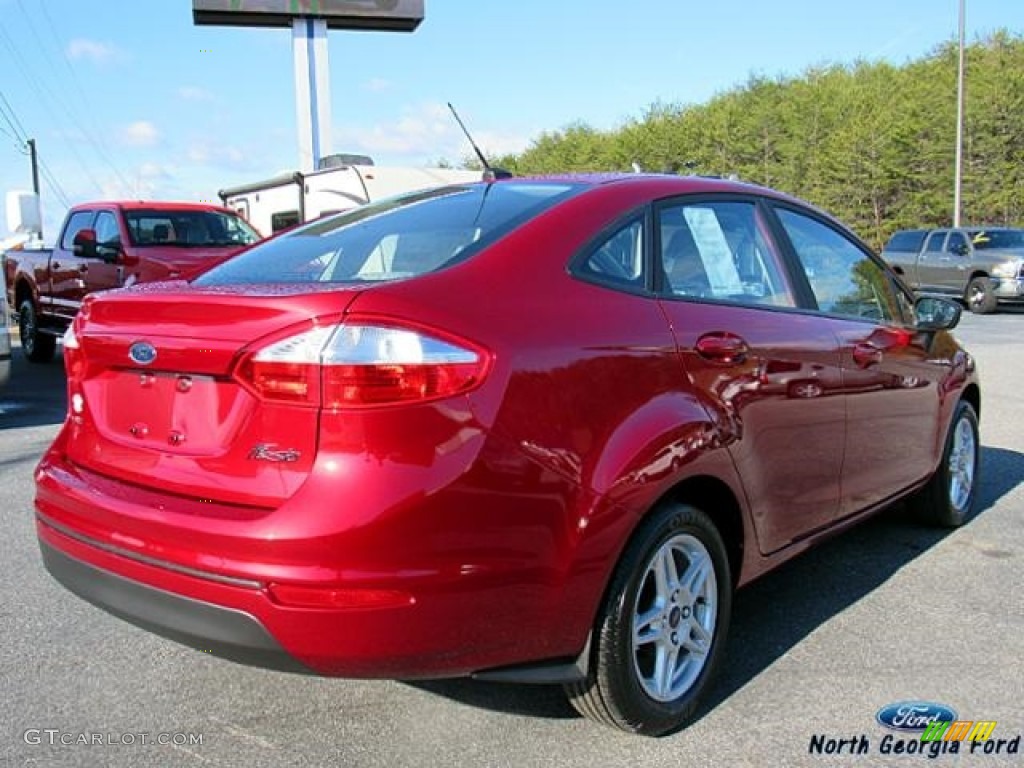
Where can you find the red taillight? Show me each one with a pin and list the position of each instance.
(288, 369)
(339, 599)
(354, 385)
(361, 364)
(74, 368)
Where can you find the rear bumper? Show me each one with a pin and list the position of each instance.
(228, 633)
(457, 583)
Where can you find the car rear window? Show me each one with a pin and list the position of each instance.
(394, 239)
(909, 240)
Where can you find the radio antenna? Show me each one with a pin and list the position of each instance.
(490, 173)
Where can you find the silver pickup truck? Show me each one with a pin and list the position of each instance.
(982, 266)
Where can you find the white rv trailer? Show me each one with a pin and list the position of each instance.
(292, 198)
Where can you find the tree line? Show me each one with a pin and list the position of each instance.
(871, 142)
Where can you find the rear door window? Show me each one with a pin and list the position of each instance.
(720, 250)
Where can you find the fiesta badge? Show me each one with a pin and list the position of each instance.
(142, 353)
(913, 715)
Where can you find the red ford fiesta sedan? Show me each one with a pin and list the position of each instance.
(527, 430)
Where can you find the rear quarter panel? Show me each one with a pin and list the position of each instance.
(586, 388)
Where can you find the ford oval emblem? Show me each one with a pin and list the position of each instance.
(914, 715)
(142, 352)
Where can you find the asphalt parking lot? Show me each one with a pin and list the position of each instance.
(889, 611)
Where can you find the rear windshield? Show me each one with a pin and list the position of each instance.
(998, 238)
(393, 239)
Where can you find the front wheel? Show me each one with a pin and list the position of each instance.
(38, 347)
(948, 498)
(662, 628)
(981, 297)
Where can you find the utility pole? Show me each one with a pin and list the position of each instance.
(35, 165)
(959, 125)
(31, 143)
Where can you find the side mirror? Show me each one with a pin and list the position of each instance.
(84, 244)
(935, 314)
(109, 252)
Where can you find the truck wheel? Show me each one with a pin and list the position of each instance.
(661, 630)
(948, 498)
(980, 297)
(38, 347)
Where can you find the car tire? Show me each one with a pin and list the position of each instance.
(948, 498)
(661, 630)
(37, 347)
(981, 297)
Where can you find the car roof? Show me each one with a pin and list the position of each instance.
(157, 205)
(675, 183)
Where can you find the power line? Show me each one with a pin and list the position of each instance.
(11, 117)
(43, 90)
(53, 184)
(101, 146)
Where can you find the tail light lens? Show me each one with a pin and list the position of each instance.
(356, 365)
(73, 358)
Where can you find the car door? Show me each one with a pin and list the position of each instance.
(67, 269)
(934, 262)
(105, 270)
(769, 372)
(892, 390)
(953, 279)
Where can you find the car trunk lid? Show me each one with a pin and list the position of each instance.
(155, 399)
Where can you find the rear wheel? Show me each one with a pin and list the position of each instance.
(662, 627)
(38, 347)
(981, 297)
(948, 498)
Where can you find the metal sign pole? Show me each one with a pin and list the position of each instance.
(312, 91)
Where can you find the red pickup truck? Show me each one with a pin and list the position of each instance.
(110, 245)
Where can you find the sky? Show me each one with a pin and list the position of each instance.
(131, 99)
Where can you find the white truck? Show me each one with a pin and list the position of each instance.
(342, 182)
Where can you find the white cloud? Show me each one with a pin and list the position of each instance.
(94, 50)
(422, 135)
(194, 93)
(377, 85)
(156, 171)
(141, 133)
(146, 181)
(215, 154)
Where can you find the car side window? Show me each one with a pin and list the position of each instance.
(107, 232)
(619, 258)
(957, 243)
(845, 280)
(78, 221)
(934, 244)
(720, 250)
